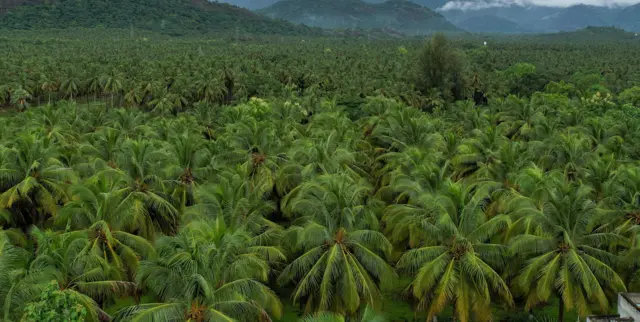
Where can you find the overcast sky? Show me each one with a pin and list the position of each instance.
(551, 3)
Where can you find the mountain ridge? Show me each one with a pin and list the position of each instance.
(400, 15)
(261, 4)
(165, 16)
(491, 24)
(527, 18)
(553, 19)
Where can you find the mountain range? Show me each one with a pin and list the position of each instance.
(536, 19)
(405, 16)
(261, 4)
(165, 16)
(512, 18)
(397, 15)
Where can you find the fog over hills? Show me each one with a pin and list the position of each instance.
(397, 15)
(406, 16)
(536, 18)
(517, 16)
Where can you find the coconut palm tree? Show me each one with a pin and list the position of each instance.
(456, 263)
(101, 149)
(407, 127)
(20, 283)
(340, 262)
(112, 85)
(335, 201)
(136, 174)
(235, 200)
(208, 272)
(191, 167)
(103, 212)
(368, 315)
(337, 270)
(32, 180)
(20, 98)
(132, 97)
(254, 144)
(210, 89)
(407, 173)
(70, 84)
(326, 156)
(48, 86)
(572, 153)
(478, 151)
(63, 258)
(94, 85)
(566, 257)
(520, 118)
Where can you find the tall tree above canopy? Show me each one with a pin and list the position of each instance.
(443, 67)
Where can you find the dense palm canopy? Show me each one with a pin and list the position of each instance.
(185, 180)
(208, 272)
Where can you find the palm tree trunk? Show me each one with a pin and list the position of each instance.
(561, 310)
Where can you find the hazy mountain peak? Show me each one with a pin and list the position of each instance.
(485, 4)
(398, 15)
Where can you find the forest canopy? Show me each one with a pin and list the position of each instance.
(150, 178)
(173, 17)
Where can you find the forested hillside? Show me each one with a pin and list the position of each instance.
(400, 15)
(166, 16)
(491, 24)
(602, 35)
(153, 178)
(261, 4)
(547, 19)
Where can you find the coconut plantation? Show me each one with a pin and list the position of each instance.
(289, 173)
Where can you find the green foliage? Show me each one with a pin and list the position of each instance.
(187, 179)
(442, 67)
(589, 84)
(523, 79)
(562, 88)
(391, 17)
(55, 305)
(367, 315)
(630, 96)
(598, 102)
(520, 71)
(170, 17)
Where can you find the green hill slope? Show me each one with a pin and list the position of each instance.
(399, 15)
(589, 35)
(629, 18)
(166, 16)
(491, 24)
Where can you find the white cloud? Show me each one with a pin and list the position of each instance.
(485, 4)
